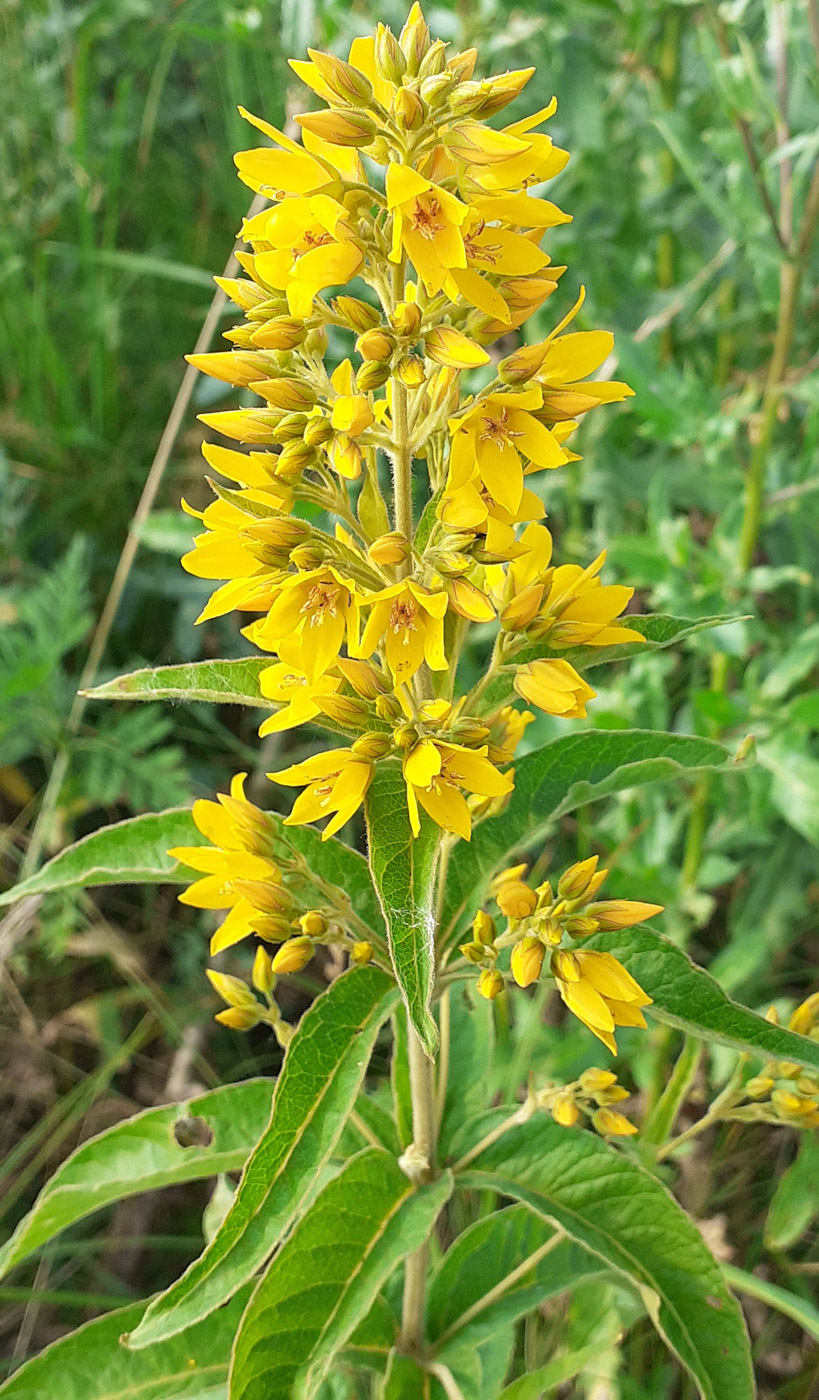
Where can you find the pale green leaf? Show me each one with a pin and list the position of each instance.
(795, 1202)
(562, 775)
(91, 1363)
(403, 871)
(686, 996)
(317, 1087)
(621, 1213)
(142, 1154)
(218, 682)
(780, 1299)
(324, 1280)
(537, 1384)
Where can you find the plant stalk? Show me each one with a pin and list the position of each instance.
(422, 1093)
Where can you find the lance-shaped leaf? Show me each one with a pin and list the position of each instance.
(658, 629)
(218, 682)
(317, 1087)
(561, 776)
(621, 1213)
(403, 870)
(686, 996)
(496, 1272)
(221, 1129)
(133, 852)
(327, 1276)
(91, 1363)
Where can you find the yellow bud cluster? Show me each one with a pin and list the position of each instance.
(591, 1096)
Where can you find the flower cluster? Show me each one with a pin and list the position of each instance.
(784, 1092)
(594, 986)
(379, 505)
(591, 1096)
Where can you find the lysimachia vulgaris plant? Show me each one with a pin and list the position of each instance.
(384, 512)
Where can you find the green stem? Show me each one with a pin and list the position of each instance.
(422, 1093)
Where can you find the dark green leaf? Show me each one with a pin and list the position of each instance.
(795, 1203)
(143, 1154)
(686, 996)
(218, 682)
(562, 775)
(403, 871)
(91, 1364)
(622, 1214)
(133, 852)
(317, 1087)
(326, 1277)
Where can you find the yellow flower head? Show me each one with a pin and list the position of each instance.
(410, 619)
(598, 990)
(317, 608)
(335, 784)
(426, 224)
(436, 773)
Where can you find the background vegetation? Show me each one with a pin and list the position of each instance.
(694, 132)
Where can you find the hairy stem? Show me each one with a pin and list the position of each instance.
(422, 1092)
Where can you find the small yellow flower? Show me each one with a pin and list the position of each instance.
(490, 983)
(527, 960)
(436, 772)
(491, 440)
(612, 1124)
(599, 992)
(426, 224)
(317, 608)
(352, 413)
(555, 687)
(410, 620)
(335, 784)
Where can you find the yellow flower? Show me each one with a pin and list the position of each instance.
(410, 619)
(555, 687)
(599, 992)
(234, 827)
(426, 223)
(292, 169)
(317, 608)
(351, 414)
(290, 687)
(306, 245)
(435, 772)
(244, 1012)
(490, 440)
(474, 509)
(335, 784)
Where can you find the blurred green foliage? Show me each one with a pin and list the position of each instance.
(694, 133)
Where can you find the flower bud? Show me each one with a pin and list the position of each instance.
(462, 65)
(405, 736)
(344, 709)
(523, 364)
(593, 1080)
(522, 609)
(434, 87)
(408, 109)
(473, 951)
(343, 79)
(452, 564)
(313, 923)
(345, 457)
(240, 1018)
(282, 333)
(245, 295)
(467, 99)
(317, 430)
(263, 976)
(390, 549)
(359, 315)
(435, 712)
(410, 371)
(805, 1016)
(565, 966)
(264, 895)
(615, 1094)
(311, 556)
(516, 900)
(406, 318)
(565, 1111)
(363, 678)
(289, 394)
(611, 914)
(376, 344)
(574, 883)
(490, 983)
(551, 931)
(340, 129)
(372, 746)
(527, 961)
(361, 953)
(612, 1124)
(290, 427)
(390, 62)
(469, 732)
(372, 374)
(273, 928)
(231, 989)
(434, 60)
(293, 955)
(414, 39)
(294, 458)
(580, 926)
(484, 928)
(387, 707)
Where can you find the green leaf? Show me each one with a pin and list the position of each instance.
(91, 1364)
(795, 1203)
(326, 1277)
(482, 1283)
(322, 1074)
(794, 786)
(405, 1380)
(133, 852)
(564, 774)
(780, 1299)
(143, 1154)
(564, 1368)
(403, 870)
(218, 682)
(686, 996)
(621, 1213)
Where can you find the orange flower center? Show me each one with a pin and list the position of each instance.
(497, 429)
(403, 615)
(426, 218)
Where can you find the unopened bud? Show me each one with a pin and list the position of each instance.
(580, 926)
(452, 564)
(372, 746)
(290, 394)
(295, 457)
(408, 109)
(293, 955)
(516, 900)
(490, 983)
(612, 1124)
(317, 430)
(612, 914)
(344, 709)
(389, 59)
(343, 79)
(263, 976)
(434, 60)
(373, 374)
(406, 318)
(565, 966)
(359, 315)
(363, 678)
(340, 129)
(574, 883)
(313, 923)
(414, 39)
(290, 427)
(405, 736)
(470, 732)
(484, 928)
(361, 953)
(375, 344)
(462, 65)
(434, 87)
(593, 1080)
(240, 1018)
(282, 333)
(527, 961)
(307, 557)
(436, 712)
(565, 1111)
(473, 951)
(273, 928)
(410, 371)
(390, 549)
(388, 707)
